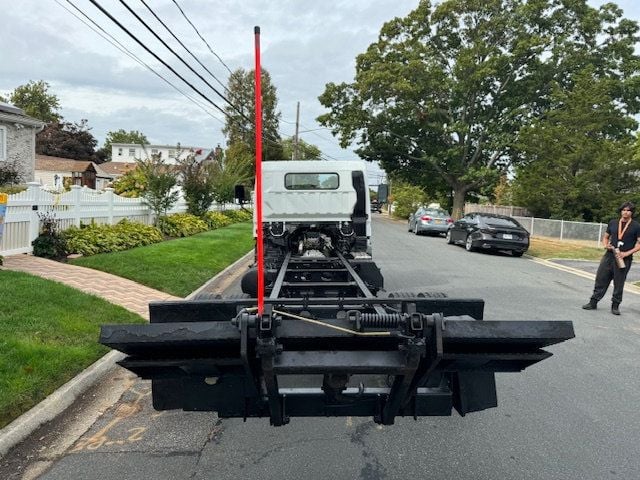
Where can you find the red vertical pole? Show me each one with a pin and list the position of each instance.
(259, 240)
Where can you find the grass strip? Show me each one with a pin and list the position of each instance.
(550, 248)
(177, 266)
(48, 334)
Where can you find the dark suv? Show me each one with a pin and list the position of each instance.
(485, 231)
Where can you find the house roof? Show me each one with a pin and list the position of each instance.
(59, 164)
(116, 168)
(10, 113)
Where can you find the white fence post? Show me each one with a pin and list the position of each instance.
(531, 232)
(108, 193)
(599, 236)
(76, 190)
(561, 229)
(33, 189)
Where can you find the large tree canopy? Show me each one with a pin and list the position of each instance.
(36, 101)
(239, 124)
(67, 140)
(579, 160)
(442, 95)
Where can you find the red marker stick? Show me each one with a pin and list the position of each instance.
(258, 196)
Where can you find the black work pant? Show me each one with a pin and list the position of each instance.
(608, 270)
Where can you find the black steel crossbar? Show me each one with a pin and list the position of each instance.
(219, 355)
(222, 310)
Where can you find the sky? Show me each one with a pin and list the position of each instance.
(305, 44)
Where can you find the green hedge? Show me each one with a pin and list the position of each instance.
(181, 225)
(216, 220)
(237, 216)
(93, 239)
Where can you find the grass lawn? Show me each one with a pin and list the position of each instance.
(177, 266)
(48, 334)
(551, 248)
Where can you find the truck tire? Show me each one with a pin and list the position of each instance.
(249, 283)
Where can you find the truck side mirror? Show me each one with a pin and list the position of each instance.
(383, 193)
(240, 194)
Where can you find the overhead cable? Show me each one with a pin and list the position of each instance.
(205, 42)
(183, 45)
(116, 43)
(152, 31)
(111, 17)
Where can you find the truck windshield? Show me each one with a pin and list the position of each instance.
(311, 181)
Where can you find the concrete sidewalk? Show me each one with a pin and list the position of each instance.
(116, 290)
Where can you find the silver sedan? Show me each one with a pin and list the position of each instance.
(430, 221)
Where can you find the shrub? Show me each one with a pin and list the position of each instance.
(50, 243)
(94, 238)
(237, 216)
(216, 220)
(12, 189)
(407, 198)
(181, 225)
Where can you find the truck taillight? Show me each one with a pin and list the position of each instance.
(449, 220)
(426, 218)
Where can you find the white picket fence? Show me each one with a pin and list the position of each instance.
(80, 205)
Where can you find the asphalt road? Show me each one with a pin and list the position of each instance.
(573, 416)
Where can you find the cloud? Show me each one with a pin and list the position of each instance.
(305, 44)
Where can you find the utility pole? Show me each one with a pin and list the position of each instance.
(296, 156)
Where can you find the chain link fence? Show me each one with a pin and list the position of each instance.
(564, 230)
(590, 233)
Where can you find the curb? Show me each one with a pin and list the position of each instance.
(66, 395)
(56, 403)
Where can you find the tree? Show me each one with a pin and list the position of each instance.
(122, 136)
(197, 180)
(444, 92)
(235, 167)
(306, 151)
(36, 102)
(406, 199)
(239, 123)
(159, 190)
(580, 162)
(67, 140)
(131, 183)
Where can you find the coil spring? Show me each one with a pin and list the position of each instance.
(377, 320)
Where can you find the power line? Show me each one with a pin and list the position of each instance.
(99, 7)
(207, 99)
(205, 42)
(116, 43)
(177, 56)
(183, 45)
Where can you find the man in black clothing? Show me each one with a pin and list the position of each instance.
(621, 240)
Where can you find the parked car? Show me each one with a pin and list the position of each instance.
(485, 231)
(429, 220)
(376, 207)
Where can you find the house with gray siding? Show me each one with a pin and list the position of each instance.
(18, 139)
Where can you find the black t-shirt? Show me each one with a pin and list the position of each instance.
(629, 238)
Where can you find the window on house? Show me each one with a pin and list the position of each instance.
(154, 151)
(119, 152)
(172, 154)
(3, 144)
(132, 152)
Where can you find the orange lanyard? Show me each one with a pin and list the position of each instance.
(622, 231)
